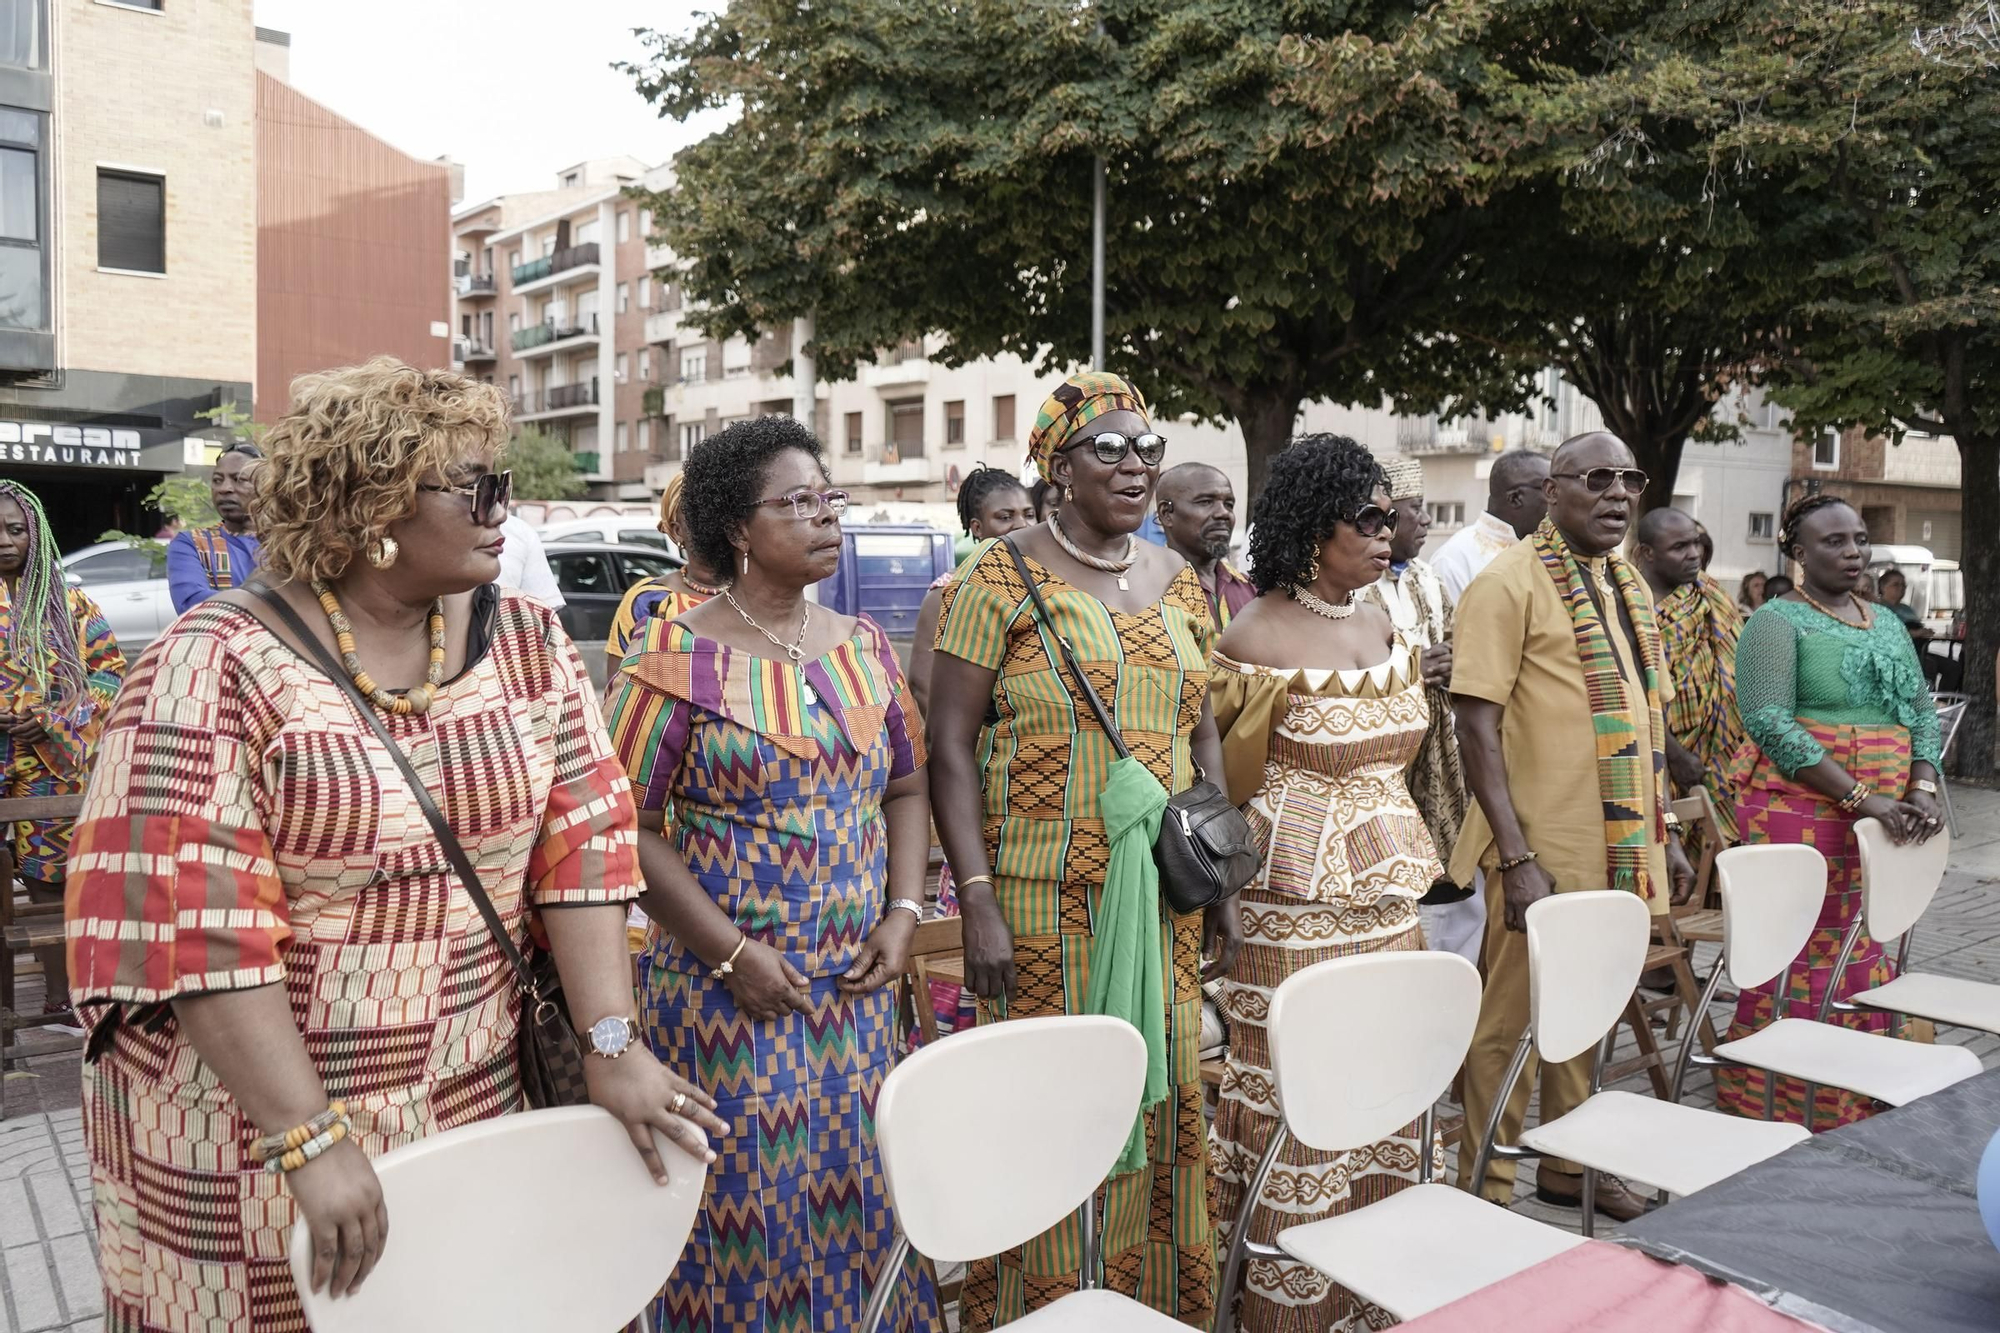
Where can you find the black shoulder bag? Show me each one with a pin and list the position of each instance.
(1205, 851)
(551, 1057)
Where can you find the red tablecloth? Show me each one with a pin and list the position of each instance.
(1601, 1288)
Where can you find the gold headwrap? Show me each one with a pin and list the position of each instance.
(670, 502)
(1406, 476)
(1078, 401)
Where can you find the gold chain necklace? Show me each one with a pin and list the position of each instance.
(1831, 614)
(795, 650)
(416, 701)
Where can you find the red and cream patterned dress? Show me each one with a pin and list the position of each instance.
(245, 828)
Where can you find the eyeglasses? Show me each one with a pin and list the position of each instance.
(1373, 520)
(808, 504)
(1599, 479)
(1111, 447)
(493, 490)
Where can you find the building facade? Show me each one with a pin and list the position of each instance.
(1907, 493)
(128, 244)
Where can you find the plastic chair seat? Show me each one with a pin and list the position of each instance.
(1680, 1149)
(1951, 1000)
(1885, 1068)
(1097, 1312)
(1423, 1247)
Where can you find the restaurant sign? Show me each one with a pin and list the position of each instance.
(54, 444)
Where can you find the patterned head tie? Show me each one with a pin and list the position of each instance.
(670, 502)
(1078, 401)
(1406, 476)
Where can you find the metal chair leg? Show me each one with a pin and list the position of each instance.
(1240, 1244)
(1589, 1202)
(885, 1285)
(1086, 1279)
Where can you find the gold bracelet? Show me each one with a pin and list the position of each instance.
(964, 884)
(729, 963)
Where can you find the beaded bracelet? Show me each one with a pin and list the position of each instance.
(272, 1145)
(1856, 797)
(308, 1150)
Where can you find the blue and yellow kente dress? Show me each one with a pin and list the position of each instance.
(774, 774)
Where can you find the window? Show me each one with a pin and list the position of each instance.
(645, 292)
(1826, 450)
(22, 265)
(645, 436)
(584, 572)
(694, 367)
(486, 328)
(1003, 416)
(691, 435)
(954, 422)
(624, 363)
(585, 233)
(622, 441)
(127, 566)
(571, 179)
(853, 432)
(735, 358)
(624, 226)
(646, 223)
(646, 364)
(513, 260)
(906, 428)
(1763, 527)
(624, 295)
(514, 322)
(514, 388)
(21, 33)
(131, 222)
(645, 566)
(1447, 513)
(465, 324)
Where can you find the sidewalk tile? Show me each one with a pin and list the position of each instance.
(56, 1202)
(32, 1287)
(77, 1274)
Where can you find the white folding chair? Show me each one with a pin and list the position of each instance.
(1585, 953)
(993, 1137)
(1951, 713)
(1897, 885)
(519, 1224)
(1771, 901)
(1361, 1047)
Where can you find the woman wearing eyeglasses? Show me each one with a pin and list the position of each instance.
(786, 881)
(1322, 707)
(283, 976)
(1019, 815)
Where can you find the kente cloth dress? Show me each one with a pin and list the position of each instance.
(1316, 760)
(1044, 765)
(773, 775)
(246, 828)
(1810, 687)
(59, 764)
(643, 601)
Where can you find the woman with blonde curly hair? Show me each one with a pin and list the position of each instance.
(282, 974)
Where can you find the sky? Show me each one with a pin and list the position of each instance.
(514, 89)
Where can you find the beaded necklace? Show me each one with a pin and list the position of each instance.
(417, 700)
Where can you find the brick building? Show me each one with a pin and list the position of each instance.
(1907, 493)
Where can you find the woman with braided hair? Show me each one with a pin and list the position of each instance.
(60, 668)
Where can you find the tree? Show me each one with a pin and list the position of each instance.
(897, 171)
(543, 467)
(1886, 115)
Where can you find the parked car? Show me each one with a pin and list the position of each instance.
(129, 584)
(607, 530)
(594, 579)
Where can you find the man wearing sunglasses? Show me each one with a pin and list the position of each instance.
(1560, 685)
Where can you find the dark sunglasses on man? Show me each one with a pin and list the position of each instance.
(1598, 480)
(1111, 447)
(1373, 520)
(491, 494)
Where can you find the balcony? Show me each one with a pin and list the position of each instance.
(1418, 436)
(555, 335)
(474, 284)
(909, 470)
(653, 403)
(586, 463)
(561, 400)
(663, 327)
(570, 264)
(897, 374)
(470, 350)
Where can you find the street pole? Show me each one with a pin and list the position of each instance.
(805, 376)
(1097, 265)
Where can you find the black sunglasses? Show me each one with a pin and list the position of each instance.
(1373, 520)
(492, 490)
(1599, 479)
(1111, 447)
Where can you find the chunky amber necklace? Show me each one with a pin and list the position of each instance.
(417, 700)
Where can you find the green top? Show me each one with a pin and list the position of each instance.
(1795, 662)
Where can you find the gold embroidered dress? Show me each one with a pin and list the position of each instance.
(1316, 760)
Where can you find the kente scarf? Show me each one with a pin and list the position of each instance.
(1626, 777)
(1077, 401)
(1699, 627)
(1127, 959)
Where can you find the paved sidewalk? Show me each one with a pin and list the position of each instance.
(48, 1266)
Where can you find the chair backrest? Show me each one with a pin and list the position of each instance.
(1585, 953)
(1771, 900)
(933, 941)
(1951, 712)
(1362, 1046)
(994, 1136)
(520, 1224)
(1697, 813)
(1897, 883)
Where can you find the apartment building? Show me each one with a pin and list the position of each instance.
(128, 241)
(1908, 494)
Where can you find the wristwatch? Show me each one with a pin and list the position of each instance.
(1924, 785)
(612, 1037)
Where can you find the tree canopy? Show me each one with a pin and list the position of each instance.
(543, 467)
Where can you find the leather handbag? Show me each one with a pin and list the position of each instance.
(551, 1057)
(1205, 851)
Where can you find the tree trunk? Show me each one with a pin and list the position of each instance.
(1979, 474)
(1266, 419)
(1656, 449)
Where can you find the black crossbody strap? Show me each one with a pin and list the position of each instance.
(454, 851)
(1048, 622)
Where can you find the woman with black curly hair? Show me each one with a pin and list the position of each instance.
(786, 889)
(1321, 705)
(991, 503)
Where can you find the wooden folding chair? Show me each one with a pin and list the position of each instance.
(937, 953)
(24, 927)
(1673, 948)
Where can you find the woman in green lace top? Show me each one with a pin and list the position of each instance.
(1842, 727)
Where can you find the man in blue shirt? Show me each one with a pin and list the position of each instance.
(206, 561)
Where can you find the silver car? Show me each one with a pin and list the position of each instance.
(129, 584)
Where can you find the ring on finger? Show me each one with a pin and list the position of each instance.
(680, 1100)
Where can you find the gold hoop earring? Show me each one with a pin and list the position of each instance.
(1312, 573)
(382, 552)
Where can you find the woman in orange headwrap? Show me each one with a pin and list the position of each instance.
(665, 594)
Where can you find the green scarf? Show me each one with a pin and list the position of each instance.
(1127, 959)
(1633, 819)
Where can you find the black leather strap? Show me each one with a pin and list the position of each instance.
(454, 851)
(1104, 722)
